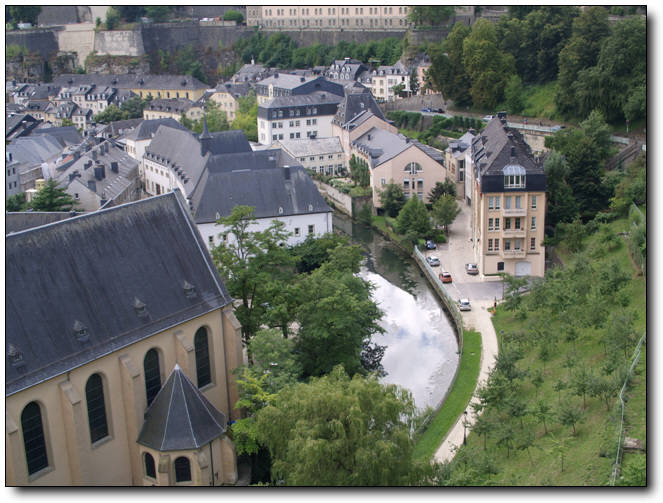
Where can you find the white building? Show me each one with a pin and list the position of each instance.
(319, 155)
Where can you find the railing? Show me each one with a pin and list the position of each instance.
(513, 253)
(620, 439)
(514, 212)
(514, 233)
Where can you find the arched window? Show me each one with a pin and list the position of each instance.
(33, 438)
(413, 167)
(152, 375)
(150, 469)
(96, 408)
(203, 370)
(182, 470)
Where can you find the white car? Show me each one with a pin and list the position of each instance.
(487, 118)
(464, 305)
(433, 261)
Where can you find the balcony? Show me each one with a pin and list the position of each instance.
(514, 233)
(514, 212)
(513, 253)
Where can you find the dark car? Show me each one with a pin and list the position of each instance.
(440, 110)
(430, 245)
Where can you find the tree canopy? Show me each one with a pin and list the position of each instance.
(52, 198)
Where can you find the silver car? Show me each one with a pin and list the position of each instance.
(464, 305)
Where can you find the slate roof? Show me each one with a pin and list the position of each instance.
(180, 417)
(90, 270)
(381, 145)
(315, 98)
(307, 146)
(173, 105)
(494, 148)
(66, 135)
(267, 190)
(130, 81)
(228, 142)
(119, 127)
(285, 80)
(356, 103)
(22, 220)
(249, 73)
(19, 125)
(234, 89)
(147, 128)
(34, 149)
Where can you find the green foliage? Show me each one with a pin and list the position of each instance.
(246, 118)
(158, 13)
(110, 114)
(359, 172)
(52, 198)
(16, 202)
(634, 471)
(22, 13)
(233, 15)
(130, 13)
(441, 189)
(392, 199)
(314, 252)
(513, 94)
(272, 355)
(215, 117)
(447, 73)
(413, 221)
(112, 18)
(13, 51)
(430, 15)
(134, 106)
(445, 210)
(349, 432)
(405, 120)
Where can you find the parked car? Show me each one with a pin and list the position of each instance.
(433, 261)
(440, 110)
(426, 109)
(445, 277)
(471, 269)
(487, 118)
(554, 129)
(430, 245)
(464, 305)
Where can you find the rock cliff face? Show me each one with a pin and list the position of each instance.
(117, 65)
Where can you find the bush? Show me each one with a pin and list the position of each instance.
(438, 236)
(233, 15)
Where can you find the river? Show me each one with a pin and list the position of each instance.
(421, 349)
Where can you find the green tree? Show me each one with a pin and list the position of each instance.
(110, 114)
(634, 471)
(134, 106)
(349, 432)
(430, 15)
(158, 13)
(16, 202)
(315, 251)
(52, 198)
(570, 414)
(447, 73)
(130, 12)
(246, 118)
(414, 82)
(542, 411)
(359, 172)
(112, 18)
(273, 355)
(562, 206)
(233, 15)
(513, 94)
(442, 188)
(250, 261)
(413, 220)
(392, 199)
(445, 211)
(23, 13)
(335, 312)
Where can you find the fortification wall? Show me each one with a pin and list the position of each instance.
(119, 43)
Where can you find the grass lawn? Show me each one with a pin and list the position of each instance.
(457, 399)
(588, 455)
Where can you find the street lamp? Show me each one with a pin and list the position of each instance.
(465, 427)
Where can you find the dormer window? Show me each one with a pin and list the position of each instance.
(15, 356)
(514, 176)
(81, 332)
(141, 309)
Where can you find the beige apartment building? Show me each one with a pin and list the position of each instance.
(319, 17)
(119, 361)
(508, 203)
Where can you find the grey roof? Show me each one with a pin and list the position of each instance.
(130, 81)
(90, 270)
(228, 142)
(66, 135)
(234, 89)
(180, 417)
(307, 146)
(356, 103)
(22, 220)
(147, 128)
(119, 127)
(267, 190)
(172, 105)
(286, 81)
(19, 125)
(431, 152)
(314, 98)
(249, 73)
(34, 149)
(381, 145)
(37, 106)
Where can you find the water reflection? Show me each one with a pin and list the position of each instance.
(420, 343)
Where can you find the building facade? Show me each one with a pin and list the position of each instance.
(320, 155)
(85, 369)
(508, 203)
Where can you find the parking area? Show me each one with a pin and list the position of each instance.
(455, 253)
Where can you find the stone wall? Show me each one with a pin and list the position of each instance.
(172, 36)
(119, 43)
(78, 38)
(414, 103)
(342, 202)
(41, 42)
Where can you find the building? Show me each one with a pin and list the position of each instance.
(285, 84)
(458, 157)
(250, 73)
(173, 108)
(263, 181)
(18, 125)
(319, 155)
(30, 158)
(508, 203)
(317, 17)
(385, 78)
(394, 158)
(114, 342)
(346, 69)
(296, 117)
(102, 177)
(227, 97)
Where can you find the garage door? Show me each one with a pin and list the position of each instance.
(523, 268)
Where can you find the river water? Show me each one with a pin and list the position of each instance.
(421, 347)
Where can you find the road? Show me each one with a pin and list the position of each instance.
(482, 293)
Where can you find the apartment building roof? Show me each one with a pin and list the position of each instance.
(130, 81)
(236, 90)
(307, 146)
(146, 129)
(315, 98)
(356, 104)
(93, 284)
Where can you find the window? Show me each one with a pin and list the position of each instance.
(292, 136)
(311, 229)
(490, 224)
(383, 182)
(275, 137)
(33, 438)
(497, 224)
(497, 202)
(507, 244)
(406, 184)
(96, 408)
(497, 245)
(211, 240)
(500, 266)
(292, 123)
(533, 202)
(148, 463)
(314, 121)
(532, 244)
(297, 122)
(533, 226)
(490, 245)
(152, 375)
(413, 167)
(280, 137)
(203, 369)
(517, 223)
(308, 122)
(507, 224)
(519, 201)
(507, 202)
(296, 231)
(182, 470)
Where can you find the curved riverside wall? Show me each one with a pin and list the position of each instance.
(342, 202)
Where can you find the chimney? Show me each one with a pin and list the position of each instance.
(114, 167)
(286, 172)
(513, 151)
(276, 75)
(92, 185)
(100, 172)
(301, 79)
(94, 155)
